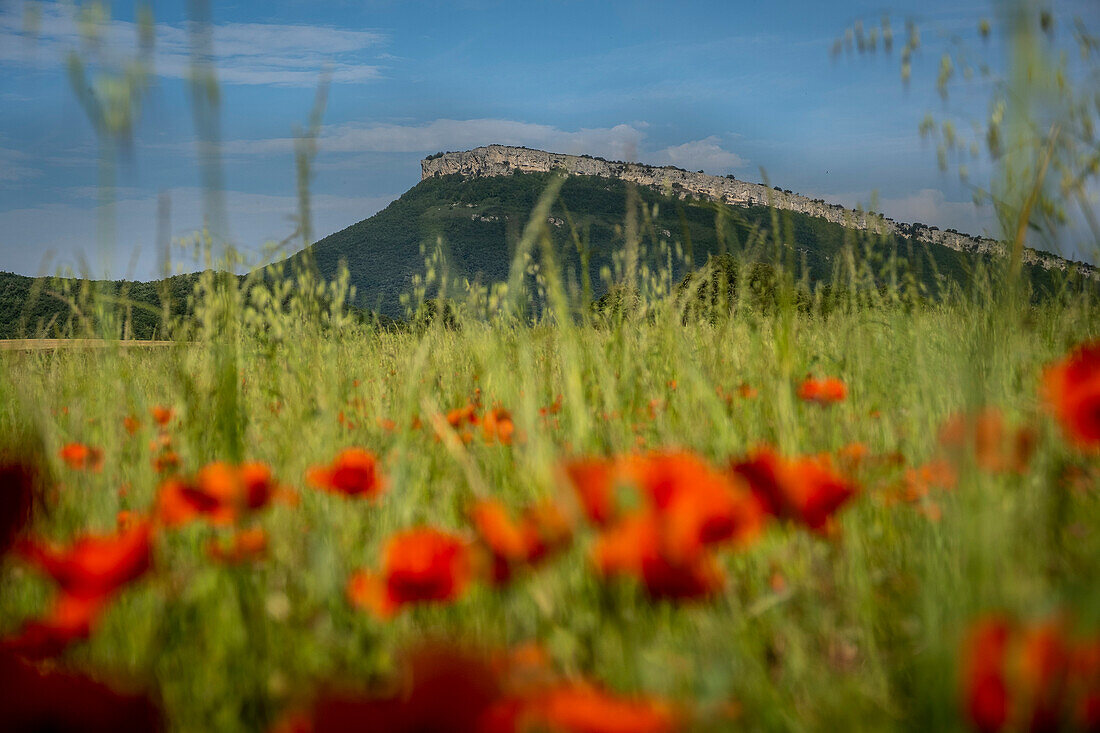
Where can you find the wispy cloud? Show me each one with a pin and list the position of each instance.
(14, 166)
(706, 154)
(927, 206)
(245, 53)
(444, 134)
(620, 142)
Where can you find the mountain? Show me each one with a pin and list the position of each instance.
(476, 204)
(503, 160)
(473, 206)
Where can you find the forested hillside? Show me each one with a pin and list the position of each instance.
(477, 223)
(50, 307)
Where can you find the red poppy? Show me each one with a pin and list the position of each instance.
(823, 391)
(87, 573)
(542, 530)
(632, 547)
(465, 415)
(162, 415)
(82, 457)
(497, 426)
(219, 493)
(546, 529)
(131, 424)
(504, 538)
(581, 708)
(95, 565)
(984, 687)
(696, 504)
(594, 481)
(807, 490)
(178, 503)
(1030, 678)
(69, 620)
(354, 472)
(1043, 667)
(815, 491)
(1071, 388)
(256, 484)
(418, 565)
(761, 470)
(681, 507)
(853, 455)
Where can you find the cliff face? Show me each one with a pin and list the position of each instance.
(502, 160)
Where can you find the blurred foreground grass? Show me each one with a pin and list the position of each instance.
(855, 628)
(855, 631)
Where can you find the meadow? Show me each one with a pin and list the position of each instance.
(639, 521)
(734, 499)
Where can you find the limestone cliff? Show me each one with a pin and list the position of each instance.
(503, 160)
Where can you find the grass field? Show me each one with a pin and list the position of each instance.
(786, 622)
(522, 511)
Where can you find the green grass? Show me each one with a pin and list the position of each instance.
(857, 630)
(863, 636)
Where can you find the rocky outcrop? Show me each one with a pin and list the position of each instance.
(503, 160)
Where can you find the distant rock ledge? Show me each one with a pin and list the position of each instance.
(503, 160)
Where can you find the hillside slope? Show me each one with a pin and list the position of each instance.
(41, 307)
(479, 220)
(504, 160)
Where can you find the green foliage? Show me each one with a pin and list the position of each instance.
(478, 222)
(63, 307)
(474, 226)
(862, 634)
(52, 307)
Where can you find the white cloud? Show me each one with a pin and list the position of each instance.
(245, 53)
(621, 142)
(706, 154)
(927, 206)
(930, 206)
(42, 238)
(1075, 240)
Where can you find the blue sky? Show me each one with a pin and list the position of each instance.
(727, 87)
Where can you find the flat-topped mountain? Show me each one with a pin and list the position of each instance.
(503, 160)
(474, 205)
(471, 207)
